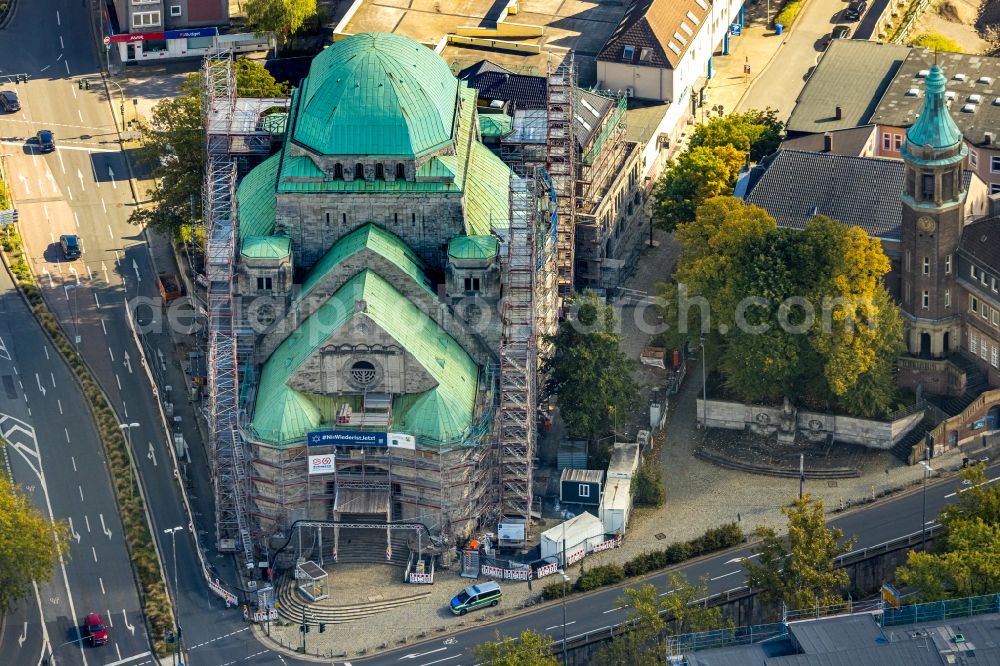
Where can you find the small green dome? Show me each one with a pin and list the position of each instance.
(376, 94)
(935, 126)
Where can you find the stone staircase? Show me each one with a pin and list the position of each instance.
(293, 604)
(975, 384)
(367, 546)
(903, 447)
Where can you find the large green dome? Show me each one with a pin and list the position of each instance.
(376, 93)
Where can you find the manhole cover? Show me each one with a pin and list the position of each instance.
(660, 537)
(832, 484)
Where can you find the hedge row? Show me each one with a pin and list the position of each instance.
(156, 602)
(714, 539)
(788, 13)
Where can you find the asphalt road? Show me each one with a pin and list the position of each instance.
(55, 455)
(82, 188)
(599, 611)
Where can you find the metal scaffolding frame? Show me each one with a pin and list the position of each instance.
(561, 164)
(518, 355)
(228, 457)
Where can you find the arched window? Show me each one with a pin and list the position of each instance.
(379, 171)
(338, 171)
(400, 171)
(359, 170)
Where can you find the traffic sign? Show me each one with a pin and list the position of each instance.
(107, 40)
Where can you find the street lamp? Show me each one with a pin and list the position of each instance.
(704, 386)
(565, 580)
(923, 510)
(127, 429)
(177, 627)
(122, 93)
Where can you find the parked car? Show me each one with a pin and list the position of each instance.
(856, 10)
(9, 101)
(841, 32)
(70, 246)
(476, 596)
(46, 141)
(94, 627)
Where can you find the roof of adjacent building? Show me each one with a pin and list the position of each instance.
(495, 124)
(850, 141)
(266, 247)
(852, 74)
(376, 93)
(528, 91)
(934, 126)
(473, 170)
(981, 241)
(257, 200)
(444, 414)
(659, 32)
(966, 75)
(380, 241)
(795, 186)
(582, 475)
(473, 247)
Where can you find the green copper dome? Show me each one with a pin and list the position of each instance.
(934, 127)
(376, 94)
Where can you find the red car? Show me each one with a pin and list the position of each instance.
(96, 631)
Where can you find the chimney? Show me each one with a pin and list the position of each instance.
(839, 113)
(827, 142)
(988, 138)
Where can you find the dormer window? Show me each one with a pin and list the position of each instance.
(628, 53)
(359, 171)
(646, 54)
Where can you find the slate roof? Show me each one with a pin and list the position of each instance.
(794, 186)
(980, 76)
(850, 141)
(834, 633)
(981, 241)
(282, 416)
(660, 32)
(852, 74)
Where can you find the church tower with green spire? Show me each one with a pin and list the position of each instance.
(933, 197)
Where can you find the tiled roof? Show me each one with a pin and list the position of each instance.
(981, 242)
(375, 94)
(659, 32)
(967, 75)
(852, 74)
(371, 237)
(850, 141)
(266, 247)
(257, 200)
(794, 186)
(282, 416)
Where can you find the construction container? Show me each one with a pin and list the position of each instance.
(575, 537)
(616, 505)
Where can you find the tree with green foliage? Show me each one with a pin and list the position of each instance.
(755, 132)
(966, 558)
(798, 568)
(30, 545)
(282, 17)
(529, 649)
(654, 617)
(699, 173)
(935, 41)
(588, 372)
(175, 151)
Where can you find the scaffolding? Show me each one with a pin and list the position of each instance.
(560, 161)
(518, 356)
(228, 458)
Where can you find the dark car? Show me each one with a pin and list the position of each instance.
(856, 10)
(70, 246)
(93, 625)
(46, 141)
(9, 101)
(841, 32)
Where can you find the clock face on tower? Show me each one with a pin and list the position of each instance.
(925, 224)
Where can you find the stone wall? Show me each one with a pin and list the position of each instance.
(814, 426)
(962, 429)
(424, 221)
(938, 377)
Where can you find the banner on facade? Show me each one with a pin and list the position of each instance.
(396, 440)
(210, 31)
(321, 464)
(136, 37)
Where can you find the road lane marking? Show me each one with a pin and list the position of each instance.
(62, 146)
(118, 652)
(59, 404)
(96, 301)
(90, 274)
(613, 610)
(124, 409)
(111, 175)
(76, 218)
(112, 354)
(104, 328)
(72, 532)
(128, 626)
(128, 659)
(104, 527)
(86, 519)
(62, 46)
(79, 175)
(556, 626)
(996, 478)
(53, 378)
(119, 381)
(39, 381)
(72, 459)
(72, 87)
(101, 581)
(105, 207)
(414, 655)
(46, 348)
(152, 454)
(429, 663)
(66, 62)
(80, 113)
(24, 635)
(58, 20)
(80, 488)
(111, 233)
(111, 621)
(61, 164)
(69, 192)
(66, 430)
(44, 68)
(725, 575)
(94, 551)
